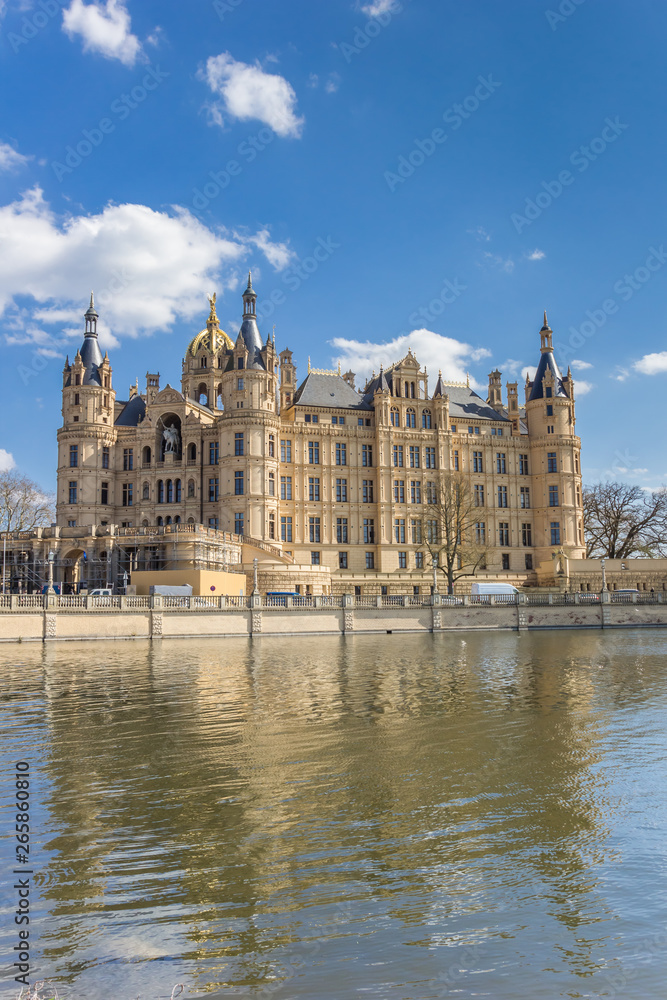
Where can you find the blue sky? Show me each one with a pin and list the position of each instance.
(425, 174)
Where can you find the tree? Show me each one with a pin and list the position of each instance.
(23, 504)
(621, 521)
(449, 529)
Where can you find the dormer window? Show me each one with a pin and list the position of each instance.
(548, 391)
(77, 380)
(240, 363)
(203, 362)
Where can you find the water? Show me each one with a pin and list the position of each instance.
(401, 816)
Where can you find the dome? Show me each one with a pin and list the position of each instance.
(212, 340)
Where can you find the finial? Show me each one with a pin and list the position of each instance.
(211, 301)
(92, 301)
(309, 364)
(439, 372)
(467, 380)
(249, 279)
(274, 333)
(546, 321)
(339, 368)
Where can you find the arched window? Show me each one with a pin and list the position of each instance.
(394, 418)
(202, 394)
(170, 491)
(203, 362)
(159, 522)
(191, 520)
(410, 418)
(191, 487)
(168, 520)
(426, 419)
(177, 519)
(144, 523)
(160, 491)
(192, 453)
(146, 492)
(147, 456)
(412, 390)
(178, 491)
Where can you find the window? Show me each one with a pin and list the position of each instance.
(105, 457)
(523, 465)
(550, 410)
(394, 418)
(77, 380)
(104, 493)
(550, 428)
(285, 488)
(341, 530)
(238, 444)
(419, 560)
(127, 494)
(367, 491)
(341, 454)
(369, 531)
(526, 535)
(314, 529)
(453, 428)
(525, 497)
(342, 560)
(272, 484)
(431, 493)
(312, 417)
(72, 492)
(552, 462)
(213, 490)
(399, 530)
(238, 523)
(73, 456)
(170, 491)
(480, 532)
(145, 493)
(212, 522)
(549, 392)
(414, 456)
(478, 493)
(503, 533)
(314, 452)
(398, 456)
(576, 464)
(410, 419)
(555, 532)
(501, 463)
(160, 491)
(240, 384)
(285, 451)
(477, 462)
(502, 496)
(426, 419)
(415, 491)
(506, 560)
(76, 398)
(470, 430)
(429, 458)
(402, 560)
(416, 531)
(341, 491)
(456, 461)
(529, 560)
(313, 489)
(238, 483)
(370, 560)
(553, 496)
(432, 531)
(191, 487)
(399, 491)
(240, 363)
(272, 526)
(213, 454)
(476, 430)
(286, 529)
(128, 459)
(71, 524)
(367, 455)
(272, 446)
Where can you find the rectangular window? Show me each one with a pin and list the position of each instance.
(213, 454)
(549, 391)
(431, 493)
(416, 531)
(502, 496)
(238, 483)
(313, 489)
(104, 493)
(240, 385)
(550, 410)
(238, 523)
(398, 456)
(419, 560)
(415, 491)
(456, 461)
(76, 398)
(523, 465)
(272, 526)
(399, 530)
(72, 492)
(285, 451)
(213, 523)
(341, 530)
(369, 531)
(105, 457)
(370, 560)
(550, 428)
(399, 491)
(341, 454)
(314, 529)
(529, 560)
(128, 459)
(453, 428)
(527, 535)
(306, 417)
(477, 462)
(213, 490)
(367, 491)
(342, 560)
(314, 452)
(555, 532)
(476, 430)
(286, 529)
(341, 491)
(272, 446)
(432, 532)
(478, 494)
(429, 458)
(71, 524)
(402, 560)
(506, 560)
(480, 532)
(238, 444)
(501, 463)
(73, 456)
(285, 487)
(503, 533)
(414, 456)
(272, 484)
(367, 455)
(553, 496)
(127, 494)
(552, 462)
(525, 497)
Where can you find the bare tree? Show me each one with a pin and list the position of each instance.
(449, 529)
(622, 521)
(23, 504)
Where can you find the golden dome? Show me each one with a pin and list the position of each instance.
(212, 338)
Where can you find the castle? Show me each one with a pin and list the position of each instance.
(318, 472)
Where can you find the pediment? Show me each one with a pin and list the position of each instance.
(168, 395)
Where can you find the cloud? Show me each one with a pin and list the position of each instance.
(511, 367)
(481, 234)
(652, 364)
(621, 374)
(378, 7)
(582, 388)
(332, 84)
(10, 158)
(247, 92)
(148, 268)
(529, 372)
(503, 264)
(580, 366)
(6, 461)
(432, 350)
(535, 255)
(104, 28)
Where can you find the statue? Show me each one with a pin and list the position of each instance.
(171, 439)
(211, 301)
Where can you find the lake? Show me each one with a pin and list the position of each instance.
(395, 816)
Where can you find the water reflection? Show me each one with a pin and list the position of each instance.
(327, 816)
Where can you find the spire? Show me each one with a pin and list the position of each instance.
(439, 386)
(249, 298)
(90, 353)
(546, 322)
(547, 364)
(546, 336)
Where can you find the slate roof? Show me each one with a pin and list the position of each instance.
(319, 389)
(91, 356)
(547, 363)
(132, 413)
(466, 404)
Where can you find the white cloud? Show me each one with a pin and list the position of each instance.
(247, 92)
(535, 255)
(621, 374)
(104, 28)
(332, 84)
(432, 350)
(6, 461)
(652, 364)
(582, 388)
(511, 367)
(528, 371)
(148, 269)
(481, 234)
(505, 264)
(10, 159)
(378, 7)
(580, 366)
